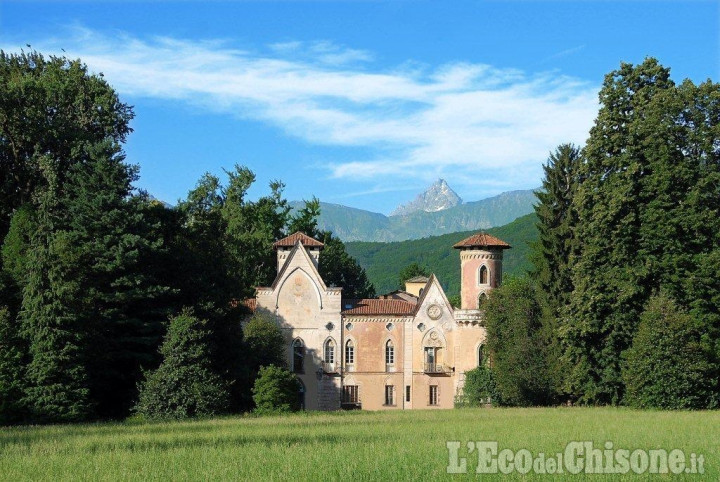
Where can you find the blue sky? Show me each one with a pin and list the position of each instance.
(362, 103)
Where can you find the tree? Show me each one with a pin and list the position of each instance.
(49, 107)
(555, 223)
(265, 343)
(251, 229)
(410, 271)
(57, 382)
(276, 391)
(338, 268)
(184, 385)
(306, 218)
(670, 365)
(647, 215)
(12, 353)
(17, 242)
(519, 345)
(123, 305)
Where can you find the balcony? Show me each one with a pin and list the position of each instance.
(329, 368)
(437, 368)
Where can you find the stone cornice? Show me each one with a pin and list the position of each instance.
(377, 318)
(480, 255)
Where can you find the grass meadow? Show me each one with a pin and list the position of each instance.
(395, 445)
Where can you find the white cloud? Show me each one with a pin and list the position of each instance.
(475, 122)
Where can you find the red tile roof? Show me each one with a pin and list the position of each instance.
(291, 240)
(249, 303)
(418, 279)
(377, 307)
(482, 240)
(399, 295)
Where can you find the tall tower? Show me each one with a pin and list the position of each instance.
(480, 267)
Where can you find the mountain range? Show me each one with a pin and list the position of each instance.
(351, 224)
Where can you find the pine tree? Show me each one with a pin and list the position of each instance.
(57, 382)
(123, 308)
(184, 385)
(555, 223)
(12, 363)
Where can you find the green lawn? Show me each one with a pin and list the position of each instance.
(331, 446)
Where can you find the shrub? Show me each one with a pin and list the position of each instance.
(668, 365)
(184, 385)
(276, 391)
(480, 388)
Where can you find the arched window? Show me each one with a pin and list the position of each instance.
(349, 352)
(301, 394)
(480, 355)
(329, 357)
(298, 355)
(481, 300)
(389, 353)
(483, 275)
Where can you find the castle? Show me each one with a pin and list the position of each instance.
(403, 350)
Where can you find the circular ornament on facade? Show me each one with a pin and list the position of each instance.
(329, 326)
(434, 335)
(434, 311)
(349, 326)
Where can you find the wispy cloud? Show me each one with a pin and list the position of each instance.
(476, 121)
(563, 53)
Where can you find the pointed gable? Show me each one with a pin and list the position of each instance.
(432, 286)
(298, 257)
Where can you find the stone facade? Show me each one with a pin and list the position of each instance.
(408, 349)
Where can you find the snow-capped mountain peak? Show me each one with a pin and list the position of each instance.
(437, 197)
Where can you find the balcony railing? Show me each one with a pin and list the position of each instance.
(329, 367)
(436, 368)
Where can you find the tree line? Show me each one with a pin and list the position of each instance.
(95, 274)
(623, 303)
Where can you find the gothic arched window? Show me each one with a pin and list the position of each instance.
(298, 355)
(483, 275)
(329, 352)
(349, 352)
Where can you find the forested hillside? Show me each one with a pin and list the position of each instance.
(384, 261)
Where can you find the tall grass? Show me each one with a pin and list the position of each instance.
(352, 446)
